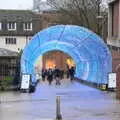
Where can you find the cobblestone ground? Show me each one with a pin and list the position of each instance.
(78, 102)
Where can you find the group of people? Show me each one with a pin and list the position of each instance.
(57, 75)
(51, 74)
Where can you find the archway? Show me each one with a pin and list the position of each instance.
(91, 55)
(57, 59)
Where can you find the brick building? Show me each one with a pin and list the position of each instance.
(113, 40)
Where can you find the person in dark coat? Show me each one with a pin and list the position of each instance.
(44, 74)
(50, 76)
(72, 73)
(68, 71)
(57, 76)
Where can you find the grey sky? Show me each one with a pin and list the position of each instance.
(16, 4)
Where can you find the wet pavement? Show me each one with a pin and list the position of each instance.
(78, 102)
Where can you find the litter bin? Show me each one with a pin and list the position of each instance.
(32, 88)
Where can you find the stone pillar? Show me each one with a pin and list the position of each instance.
(118, 83)
(110, 22)
(119, 21)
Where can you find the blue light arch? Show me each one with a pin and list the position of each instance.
(91, 55)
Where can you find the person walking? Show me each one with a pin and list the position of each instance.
(50, 76)
(57, 76)
(44, 72)
(72, 73)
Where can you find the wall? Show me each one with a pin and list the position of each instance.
(58, 57)
(49, 19)
(118, 84)
(21, 42)
(115, 60)
(116, 19)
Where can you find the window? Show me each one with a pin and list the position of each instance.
(0, 25)
(10, 40)
(27, 26)
(11, 26)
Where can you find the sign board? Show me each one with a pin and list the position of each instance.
(112, 80)
(25, 81)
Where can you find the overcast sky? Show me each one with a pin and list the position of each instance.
(16, 4)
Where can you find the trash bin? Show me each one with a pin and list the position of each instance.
(32, 88)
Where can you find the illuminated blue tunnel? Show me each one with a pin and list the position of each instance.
(91, 55)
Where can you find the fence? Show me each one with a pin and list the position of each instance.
(8, 73)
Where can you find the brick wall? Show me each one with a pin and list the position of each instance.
(118, 84)
(58, 57)
(115, 60)
(116, 18)
(116, 68)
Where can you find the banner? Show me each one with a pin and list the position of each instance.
(25, 81)
(112, 80)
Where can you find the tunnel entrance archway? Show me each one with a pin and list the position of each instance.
(91, 55)
(57, 59)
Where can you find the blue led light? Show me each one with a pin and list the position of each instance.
(91, 55)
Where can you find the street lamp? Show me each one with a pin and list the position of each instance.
(101, 19)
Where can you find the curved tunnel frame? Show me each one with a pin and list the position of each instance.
(92, 57)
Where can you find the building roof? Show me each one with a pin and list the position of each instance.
(7, 53)
(24, 15)
(19, 17)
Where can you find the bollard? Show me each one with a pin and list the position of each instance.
(58, 114)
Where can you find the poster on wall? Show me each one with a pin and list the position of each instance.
(25, 81)
(112, 80)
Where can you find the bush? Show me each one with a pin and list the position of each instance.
(6, 82)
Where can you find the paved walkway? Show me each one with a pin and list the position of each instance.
(78, 102)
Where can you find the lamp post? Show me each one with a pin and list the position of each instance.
(101, 20)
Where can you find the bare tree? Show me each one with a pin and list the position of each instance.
(80, 12)
(40, 5)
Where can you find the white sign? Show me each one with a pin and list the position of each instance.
(112, 80)
(25, 81)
